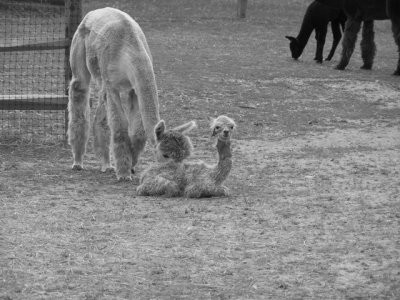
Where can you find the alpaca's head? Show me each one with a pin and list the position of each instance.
(173, 144)
(295, 47)
(222, 127)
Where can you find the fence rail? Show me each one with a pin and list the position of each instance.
(35, 39)
(33, 102)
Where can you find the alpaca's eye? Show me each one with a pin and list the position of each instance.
(165, 155)
(217, 127)
(231, 127)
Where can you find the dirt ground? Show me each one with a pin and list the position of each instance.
(314, 210)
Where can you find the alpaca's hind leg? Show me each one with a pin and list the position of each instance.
(101, 132)
(158, 186)
(349, 40)
(320, 36)
(396, 35)
(337, 35)
(393, 11)
(78, 104)
(368, 47)
(136, 129)
(121, 144)
(205, 191)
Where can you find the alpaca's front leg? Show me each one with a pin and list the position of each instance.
(193, 191)
(172, 190)
(101, 132)
(78, 120)
(136, 130)
(368, 47)
(143, 189)
(337, 35)
(349, 40)
(221, 191)
(119, 136)
(320, 36)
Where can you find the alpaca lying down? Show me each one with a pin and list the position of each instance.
(203, 180)
(166, 177)
(173, 176)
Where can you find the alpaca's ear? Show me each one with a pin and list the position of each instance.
(184, 128)
(211, 120)
(290, 38)
(159, 129)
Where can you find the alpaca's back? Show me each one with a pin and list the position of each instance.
(197, 172)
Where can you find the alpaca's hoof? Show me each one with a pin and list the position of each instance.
(133, 171)
(108, 169)
(227, 191)
(366, 67)
(328, 58)
(396, 73)
(125, 178)
(77, 167)
(318, 59)
(340, 67)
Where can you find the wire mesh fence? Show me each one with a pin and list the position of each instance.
(33, 68)
(34, 45)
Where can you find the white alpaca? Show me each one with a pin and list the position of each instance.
(110, 48)
(203, 180)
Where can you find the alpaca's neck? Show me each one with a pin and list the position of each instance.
(224, 165)
(143, 79)
(305, 31)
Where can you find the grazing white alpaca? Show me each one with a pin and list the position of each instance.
(203, 180)
(110, 48)
(166, 176)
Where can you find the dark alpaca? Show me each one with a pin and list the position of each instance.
(366, 11)
(316, 18)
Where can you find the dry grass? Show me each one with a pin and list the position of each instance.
(314, 211)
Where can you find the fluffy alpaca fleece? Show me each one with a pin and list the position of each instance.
(203, 180)
(316, 18)
(110, 48)
(174, 176)
(166, 176)
(366, 11)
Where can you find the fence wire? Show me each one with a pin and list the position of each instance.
(29, 72)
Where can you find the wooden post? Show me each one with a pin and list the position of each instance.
(73, 16)
(241, 8)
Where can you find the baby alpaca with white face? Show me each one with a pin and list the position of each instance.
(203, 180)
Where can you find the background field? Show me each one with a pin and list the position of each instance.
(314, 211)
